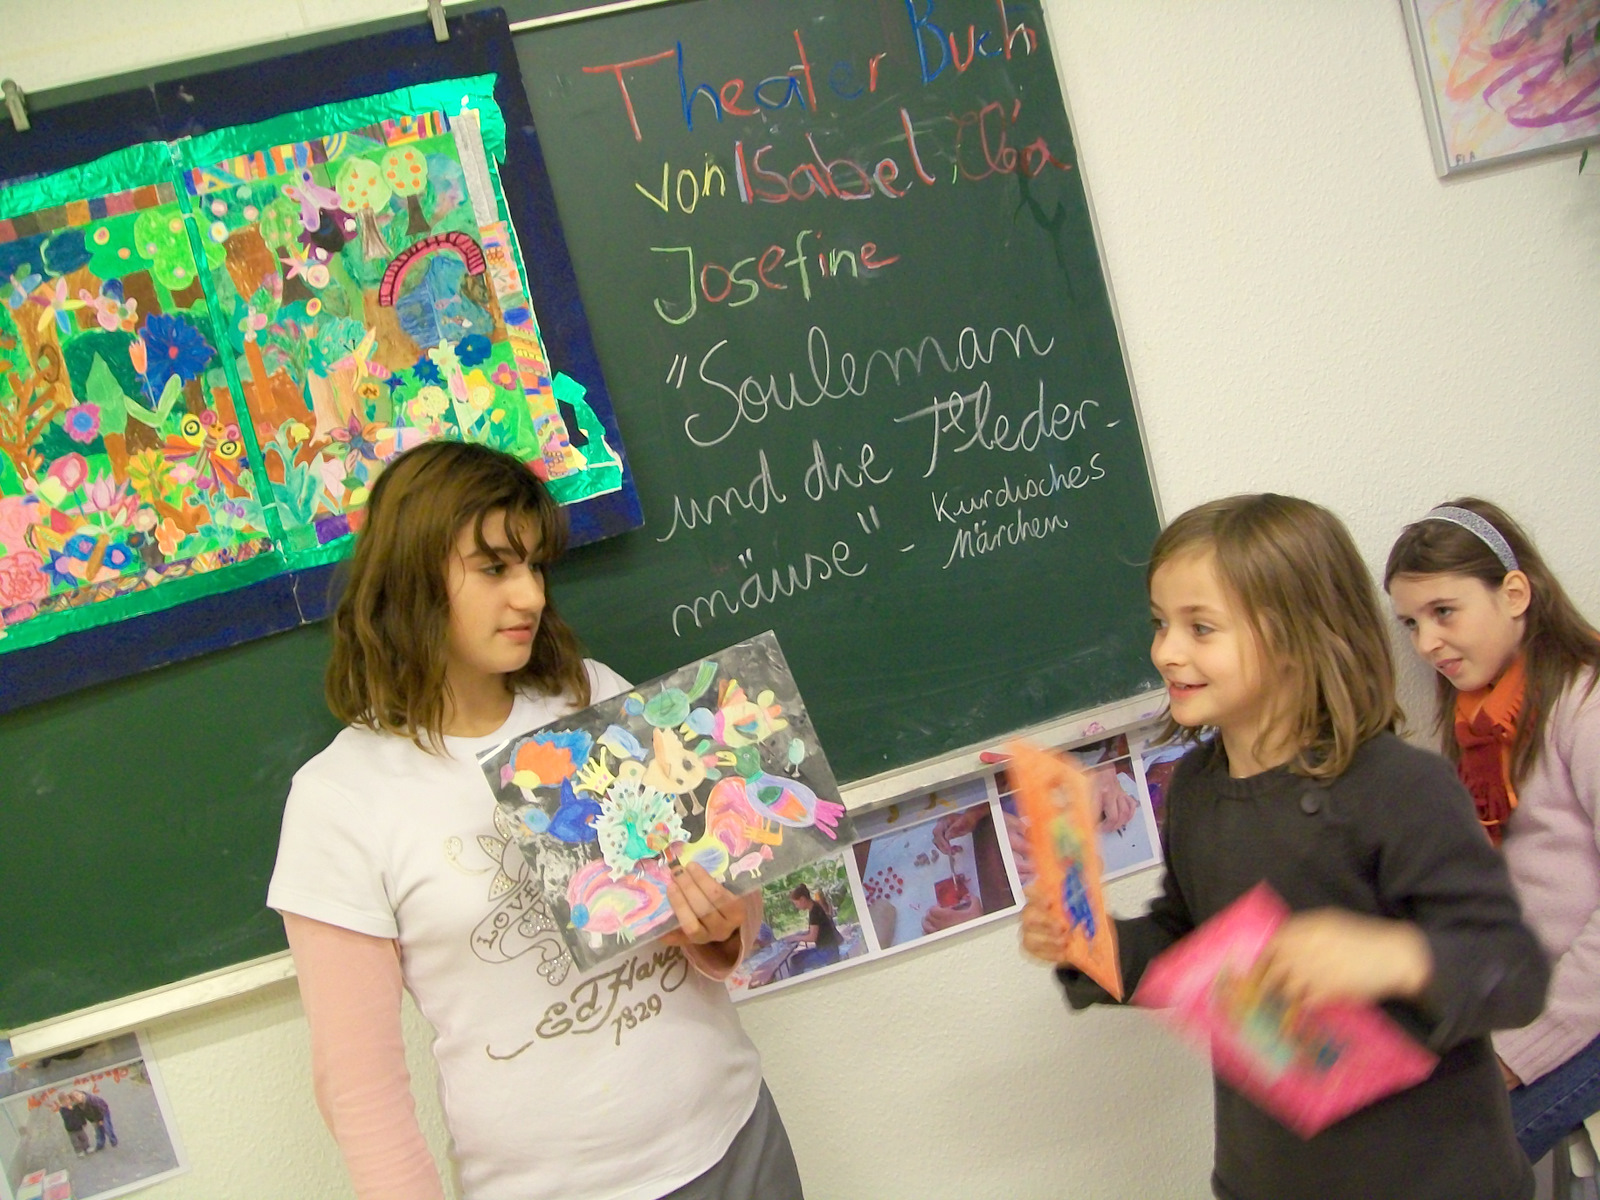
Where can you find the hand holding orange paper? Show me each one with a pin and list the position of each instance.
(1053, 794)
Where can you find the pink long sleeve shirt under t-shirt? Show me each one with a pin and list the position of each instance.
(1552, 847)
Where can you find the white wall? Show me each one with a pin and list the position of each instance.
(1307, 309)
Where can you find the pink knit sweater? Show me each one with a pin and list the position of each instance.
(1552, 846)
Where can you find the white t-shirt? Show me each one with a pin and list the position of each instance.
(621, 1084)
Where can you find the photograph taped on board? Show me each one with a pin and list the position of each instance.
(811, 924)
(89, 1124)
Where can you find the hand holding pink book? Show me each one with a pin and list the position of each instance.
(1307, 1066)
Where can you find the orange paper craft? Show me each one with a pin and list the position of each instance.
(1053, 794)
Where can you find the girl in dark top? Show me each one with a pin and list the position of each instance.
(1268, 633)
(823, 934)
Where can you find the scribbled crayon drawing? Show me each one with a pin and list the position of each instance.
(1503, 78)
(683, 770)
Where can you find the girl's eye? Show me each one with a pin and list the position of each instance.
(1201, 630)
(1157, 624)
(1443, 612)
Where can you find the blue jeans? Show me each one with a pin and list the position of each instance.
(1552, 1106)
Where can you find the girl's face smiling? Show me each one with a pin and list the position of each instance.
(1207, 652)
(1464, 629)
(496, 600)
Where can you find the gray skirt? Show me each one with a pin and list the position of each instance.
(759, 1165)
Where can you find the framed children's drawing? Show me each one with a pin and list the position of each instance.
(1502, 80)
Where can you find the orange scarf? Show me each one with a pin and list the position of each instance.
(1486, 728)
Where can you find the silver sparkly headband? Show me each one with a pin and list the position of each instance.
(1474, 524)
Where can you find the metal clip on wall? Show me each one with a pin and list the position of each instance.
(16, 103)
(436, 15)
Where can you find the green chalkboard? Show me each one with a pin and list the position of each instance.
(909, 448)
(141, 822)
(860, 346)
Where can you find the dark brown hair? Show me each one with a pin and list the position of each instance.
(387, 670)
(1557, 643)
(1309, 601)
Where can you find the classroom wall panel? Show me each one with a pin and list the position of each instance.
(1306, 307)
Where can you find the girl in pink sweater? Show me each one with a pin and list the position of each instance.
(1520, 716)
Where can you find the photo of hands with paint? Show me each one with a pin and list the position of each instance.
(934, 876)
(1126, 824)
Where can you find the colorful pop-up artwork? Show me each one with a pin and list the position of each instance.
(715, 764)
(1053, 795)
(1308, 1067)
(122, 464)
(374, 298)
(210, 348)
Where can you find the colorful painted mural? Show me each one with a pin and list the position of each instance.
(208, 367)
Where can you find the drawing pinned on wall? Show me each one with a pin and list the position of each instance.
(210, 348)
(1505, 78)
(716, 763)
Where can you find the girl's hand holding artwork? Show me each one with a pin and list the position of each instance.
(1044, 932)
(1330, 954)
(709, 915)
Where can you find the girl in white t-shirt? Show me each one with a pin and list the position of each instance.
(395, 869)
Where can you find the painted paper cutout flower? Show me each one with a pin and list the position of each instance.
(138, 354)
(252, 323)
(432, 401)
(117, 556)
(63, 571)
(175, 348)
(426, 372)
(505, 376)
(444, 357)
(168, 536)
(111, 307)
(83, 422)
(473, 349)
(70, 470)
(360, 441)
(22, 578)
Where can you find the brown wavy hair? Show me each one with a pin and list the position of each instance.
(387, 670)
(1557, 643)
(1309, 601)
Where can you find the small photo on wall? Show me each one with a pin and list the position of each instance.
(1157, 763)
(1129, 839)
(934, 877)
(810, 924)
(86, 1125)
(913, 810)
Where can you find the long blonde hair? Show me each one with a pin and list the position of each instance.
(1557, 643)
(387, 669)
(1311, 606)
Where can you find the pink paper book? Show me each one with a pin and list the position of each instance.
(1308, 1067)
